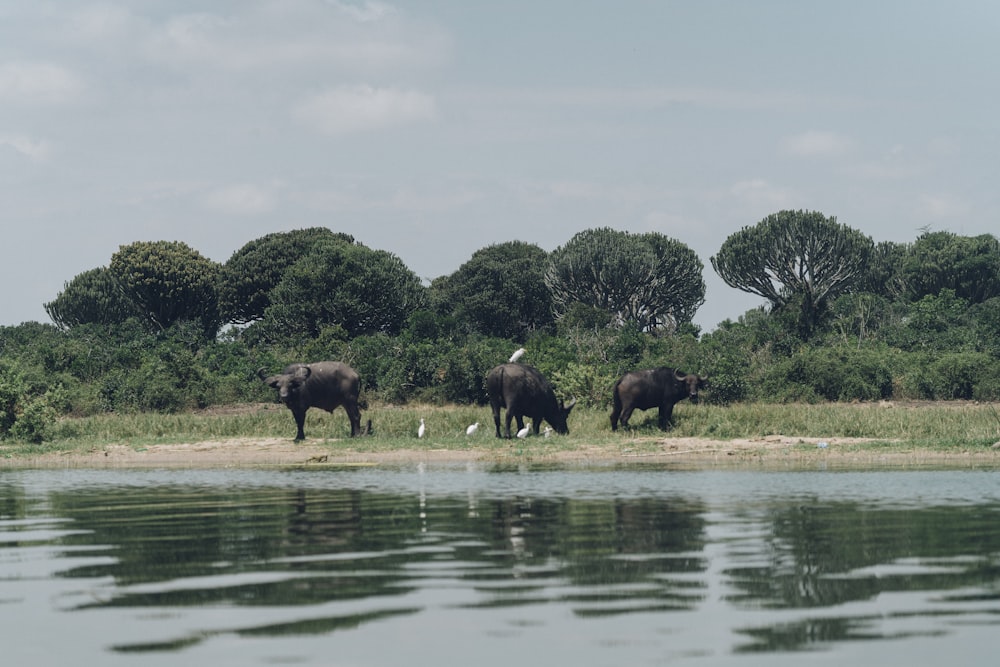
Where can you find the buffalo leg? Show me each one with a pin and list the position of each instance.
(300, 422)
(496, 419)
(615, 414)
(626, 415)
(666, 416)
(507, 421)
(354, 414)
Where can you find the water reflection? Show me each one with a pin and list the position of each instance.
(635, 564)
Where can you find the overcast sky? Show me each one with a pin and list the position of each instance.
(433, 128)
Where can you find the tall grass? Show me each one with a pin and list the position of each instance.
(937, 425)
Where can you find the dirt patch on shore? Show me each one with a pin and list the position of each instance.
(770, 451)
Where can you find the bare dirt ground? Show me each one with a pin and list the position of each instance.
(773, 451)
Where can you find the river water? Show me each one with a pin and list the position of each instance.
(493, 565)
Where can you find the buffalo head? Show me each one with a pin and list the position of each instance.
(288, 384)
(691, 382)
(559, 420)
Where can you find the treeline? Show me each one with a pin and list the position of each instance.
(162, 328)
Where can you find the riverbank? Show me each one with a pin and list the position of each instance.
(773, 451)
(782, 435)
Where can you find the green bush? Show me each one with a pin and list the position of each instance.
(959, 375)
(834, 374)
(585, 383)
(35, 422)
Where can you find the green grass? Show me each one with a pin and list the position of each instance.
(935, 426)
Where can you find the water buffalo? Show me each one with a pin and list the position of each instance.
(324, 384)
(654, 388)
(525, 392)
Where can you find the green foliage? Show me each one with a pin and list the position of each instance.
(834, 374)
(948, 376)
(499, 292)
(247, 278)
(797, 260)
(364, 291)
(969, 266)
(884, 276)
(168, 282)
(587, 384)
(647, 280)
(25, 412)
(92, 297)
(935, 322)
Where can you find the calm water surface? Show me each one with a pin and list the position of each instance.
(484, 565)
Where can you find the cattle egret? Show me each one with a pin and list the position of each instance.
(518, 353)
(547, 432)
(421, 429)
(523, 433)
(472, 428)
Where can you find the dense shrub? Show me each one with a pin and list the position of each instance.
(958, 375)
(834, 374)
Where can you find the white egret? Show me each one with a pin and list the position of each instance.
(472, 428)
(421, 429)
(523, 433)
(518, 353)
(547, 431)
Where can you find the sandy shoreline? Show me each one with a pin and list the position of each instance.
(771, 451)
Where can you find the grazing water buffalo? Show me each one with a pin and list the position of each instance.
(324, 384)
(653, 388)
(525, 393)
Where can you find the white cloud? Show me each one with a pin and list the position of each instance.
(38, 83)
(758, 194)
(36, 151)
(818, 144)
(303, 34)
(347, 110)
(941, 207)
(368, 11)
(98, 23)
(241, 199)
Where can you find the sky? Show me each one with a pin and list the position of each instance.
(434, 128)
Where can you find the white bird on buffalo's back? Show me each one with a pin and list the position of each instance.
(523, 433)
(472, 428)
(518, 353)
(421, 429)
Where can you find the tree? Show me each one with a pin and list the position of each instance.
(168, 282)
(499, 292)
(92, 297)
(648, 280)
(255, 269)
(364, 291)
(796, 259)
(968, 265)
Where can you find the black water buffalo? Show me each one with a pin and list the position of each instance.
(324, 384)
(654, 388)
(525, 392)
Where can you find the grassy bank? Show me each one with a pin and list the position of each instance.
(938, 427)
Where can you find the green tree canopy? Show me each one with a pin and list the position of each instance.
(499, 292)
(364, 291)
(168, 282)
(255, 269)
(648, 280)
(968, 265)
(92, 297)
(799, 258)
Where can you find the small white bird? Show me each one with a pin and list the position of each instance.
(518, 353)
(547, 431)
(472, 428)
(523, 433)
(421, 429)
